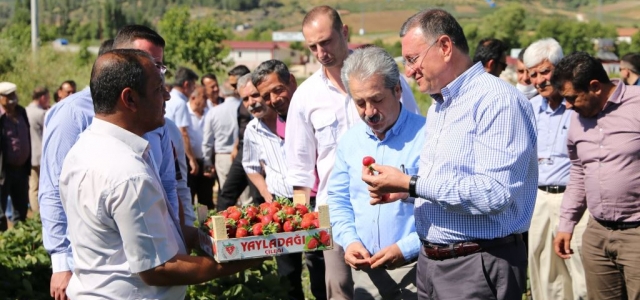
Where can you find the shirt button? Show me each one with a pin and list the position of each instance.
(600, 146)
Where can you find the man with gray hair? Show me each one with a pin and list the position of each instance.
(382, 257)
(551, 277)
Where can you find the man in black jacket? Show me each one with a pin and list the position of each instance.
(15, 155)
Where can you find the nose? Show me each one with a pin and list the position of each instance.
(165, 95)
(409, 71)
(321, 52)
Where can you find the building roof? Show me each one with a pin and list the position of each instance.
(629, 31)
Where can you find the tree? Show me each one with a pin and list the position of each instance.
(572, 35)
(196, 42)
(506, 24)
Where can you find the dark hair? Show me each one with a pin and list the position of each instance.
(268, 67)
(579, 68)
(184, 75)
(210, 76)
(437, 22)
(634, 60)
(330, 12)
(69, 82)
(130, 33)
(521, 54)
(239, 71)
(39, 92)
(114, 71)
(489, 49)
(105, 46)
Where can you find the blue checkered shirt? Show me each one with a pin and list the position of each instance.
(478, 168)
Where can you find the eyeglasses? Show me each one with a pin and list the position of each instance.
(162, 68)
(411, 61)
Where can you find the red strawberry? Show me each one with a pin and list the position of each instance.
(264, 206)
(232, 209)
(277, 205)
(325, 239)
(279, 217)
(288, 226)
(367, 161)
(289, 210)
(266, 219)
(313, 243)
(235, 215)
(243, 222)
(305, 224)
(309, 216)
(257, 229)
(224, 213)
(241, 232)
(315, 223)
(251, 209)
(302, 209)
(231, 228)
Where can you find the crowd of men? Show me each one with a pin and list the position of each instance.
(497, 180)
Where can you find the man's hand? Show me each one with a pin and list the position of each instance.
(59, 283)
(194, 166)
(357, 256)
(209, 171)
(562, 245)
(234, 153)
(390, 184)
(390, 258)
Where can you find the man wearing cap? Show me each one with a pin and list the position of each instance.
(15, 155)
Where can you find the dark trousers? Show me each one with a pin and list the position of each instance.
(290, 266)
(237, 181)
(497, 273)
(16, 185)
(201, 186)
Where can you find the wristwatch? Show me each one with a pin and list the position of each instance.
(412, 186)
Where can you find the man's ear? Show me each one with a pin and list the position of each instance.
(292, 82)
(595, 87)
(490, 64)
(129, 99)
(398, 91)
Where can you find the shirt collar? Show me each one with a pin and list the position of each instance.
(617, 94)
(137, 144)
(395, 129)
(544, 105)
(179, 94)
(453, 88)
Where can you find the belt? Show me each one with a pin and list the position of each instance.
(447, 251)
(618, 225)
(553, 189)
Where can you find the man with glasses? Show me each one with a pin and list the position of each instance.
(492, 53)
(630, 69)
(551, 277)
(321, 111)
(63, 124)
(477, 180)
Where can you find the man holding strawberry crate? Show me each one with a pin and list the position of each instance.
(381, 244)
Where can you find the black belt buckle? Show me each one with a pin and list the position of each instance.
(612, 225)
(553, 189)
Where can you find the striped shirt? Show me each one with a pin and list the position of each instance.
(263, 147)
(478, 169)
(605, 165)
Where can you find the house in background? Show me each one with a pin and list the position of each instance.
(624, 34)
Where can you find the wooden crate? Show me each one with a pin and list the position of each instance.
(224, 249)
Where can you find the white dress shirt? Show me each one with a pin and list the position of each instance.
(220, 129)
(196, 131)
(319, 114)
(119, 221)
(176, 109)
(261, 146)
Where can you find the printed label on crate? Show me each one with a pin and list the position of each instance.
(271, 245)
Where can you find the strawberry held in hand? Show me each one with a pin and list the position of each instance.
(367, 161)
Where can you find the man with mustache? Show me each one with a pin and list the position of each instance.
(603, 142)
(321, 112)
(269, 94)
(381, 244)
(551, 277)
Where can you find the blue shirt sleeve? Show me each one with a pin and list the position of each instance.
(340, 207)
(167, 168)
(62, 128)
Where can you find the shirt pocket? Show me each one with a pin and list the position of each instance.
(411, 171)
(326, 130)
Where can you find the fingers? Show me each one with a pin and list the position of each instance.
(379, 259)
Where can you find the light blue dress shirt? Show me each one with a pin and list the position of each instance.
(353, 219)
(478, 169)
(176, 109)
(553, 157)
(63, 124)
(220, 129)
